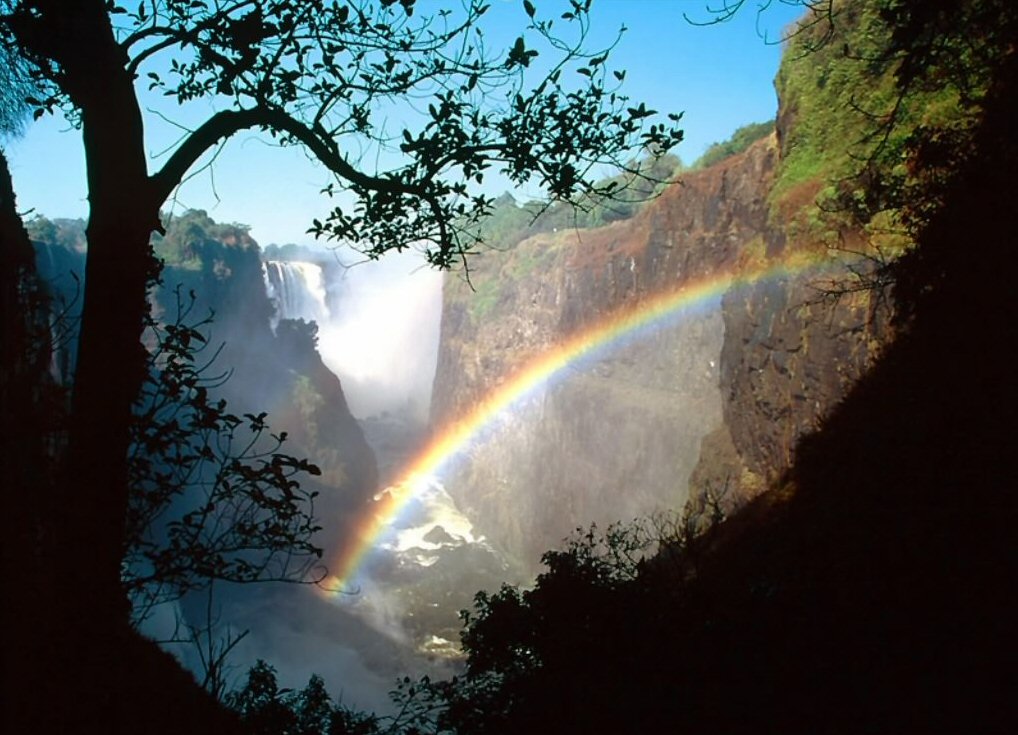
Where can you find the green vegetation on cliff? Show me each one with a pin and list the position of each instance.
(847, 125)
(68, 234)
(190, 235)
(510, 223)
(739, 141)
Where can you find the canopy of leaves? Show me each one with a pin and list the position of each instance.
(68, 234)
(266, 709)
(410, 112)
(850, 120)
(15, 87)
(188, 236)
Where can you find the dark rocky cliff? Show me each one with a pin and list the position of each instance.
(215, 270)
(617, 437)
(707, 409)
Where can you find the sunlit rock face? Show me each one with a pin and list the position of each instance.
(616, 437)
(705, 409)
(789, 357)
(793, 347)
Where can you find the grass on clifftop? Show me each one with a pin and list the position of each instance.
(740, 140)
(844, 126)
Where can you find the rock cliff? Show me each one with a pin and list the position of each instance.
(707, 410)
(791, 353)
(277, 370)
(619, 435)
(216, 269)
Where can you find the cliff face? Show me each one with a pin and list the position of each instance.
(791, 353)
(279, 371)
(708, 409)
(219, 267)
(616, 436)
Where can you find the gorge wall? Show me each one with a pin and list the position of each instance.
(618, 436)
(273, 362)
(214, 271)
(707, 410)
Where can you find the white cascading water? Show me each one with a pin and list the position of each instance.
(297, 289)
(378, 325)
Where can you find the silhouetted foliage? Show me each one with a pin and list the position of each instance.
(261, 704)
(212, 495)
(15, 87)
(265, 709)
(568, 654)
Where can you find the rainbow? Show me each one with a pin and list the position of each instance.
(629, 322)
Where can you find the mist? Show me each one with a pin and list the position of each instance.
(381, 335)
(377, 331)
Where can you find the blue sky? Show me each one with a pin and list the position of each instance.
(719, 76)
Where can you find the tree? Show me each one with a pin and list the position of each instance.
(213, 496)
(265, 708)
(535, 656)
(309, 74)
(15, 86)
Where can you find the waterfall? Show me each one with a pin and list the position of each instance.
(297, 289)
(378, 325)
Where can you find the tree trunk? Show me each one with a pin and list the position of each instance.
(89, 608)
(110, 368)
(111, 359)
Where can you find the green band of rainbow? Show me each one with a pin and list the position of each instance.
(459, 434)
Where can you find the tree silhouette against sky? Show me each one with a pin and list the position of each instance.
(325, 76)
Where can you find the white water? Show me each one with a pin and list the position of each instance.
(430, 522)
(378, 325)
(297, 288)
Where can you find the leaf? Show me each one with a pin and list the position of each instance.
(528, 7)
